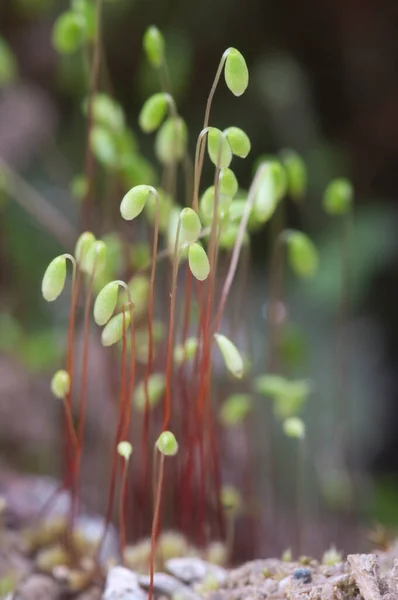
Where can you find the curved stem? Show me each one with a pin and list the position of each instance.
(122, 510)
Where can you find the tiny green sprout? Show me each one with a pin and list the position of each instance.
(228, 183)
(8, 64)
(84, 242)
(113, 330)
(296, 173)
(198, 261)
(218, 147)
(332, 557)
(230, 499)
(153, 112)
(153, 44)
(95, 259)
(235, 409)
(105, 303)
(236, 72)
(338, 197)
(294, 427)
(167, 444)
(185, 352)
(238, 140)
(125, 450)
(60, 384)
(287, 555)
(134, 201)
(54, 279)
(171, 141)
(156, 388)
(232, 358)
(302, 254)
(190, 226)
(68, 32)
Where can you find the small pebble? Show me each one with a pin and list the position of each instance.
(37, 587)
(122, 584)
(303, 574)
(168, 585)
(193, 570)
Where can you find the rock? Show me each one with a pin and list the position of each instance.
(168, 585)
(38, 587)
(192, 570)
(122, 584)
(365, 570)
(303, 574)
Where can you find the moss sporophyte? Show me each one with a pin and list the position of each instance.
(167, 344)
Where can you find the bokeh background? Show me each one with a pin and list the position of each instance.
(324, 81)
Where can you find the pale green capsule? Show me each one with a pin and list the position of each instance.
(230, 498)
(219, 149)
(238, 140)
(206, 205)
(113, 330)
(235, 409)
(125, 449)
(84, 242)
(294, 427)
(153, 112)
(153, 44)
(302, 254)
(338, 197)
(296, 172)
(190, 226)
(266, 199)
(185, 352)
(171, 141)
(68, 32)
(271, 385)
(103, 144)
(167, 444)
(228, 183)
(236, 72)
(198, 262)
(156, 388)
(134, 201)
(232, 358)
(107, 112)
(60, 384)
(105, 303)
(54, 279)
(95, 259)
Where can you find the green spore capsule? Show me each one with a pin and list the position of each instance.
(95, 259)
(235, 409)
(338, 197)
(198, 262)
(266, 198)
(156, 388)
(294, 427)
(230, 499)
(171, 141)
(219, 149)
(103, 144)
(154, 45)
(84, 242)
(206, 205)
(236, 72)
(106, 112)
(105, 303)
(68, 32)
(54, 279)
(167, 444)
(302, 254)
(228, 183)
(60, 384)
(134, 201)
(232, 358)
(271, 385)
(113, 330)
(238, 140)
(153, 112)
(185, 352)
(296, 174)
(125, 450)
(190, 226)
(8, 64)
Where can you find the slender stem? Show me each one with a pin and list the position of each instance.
(122, 510)
(94, 80)
(71, 428)
(169, 362)
(155, 522)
